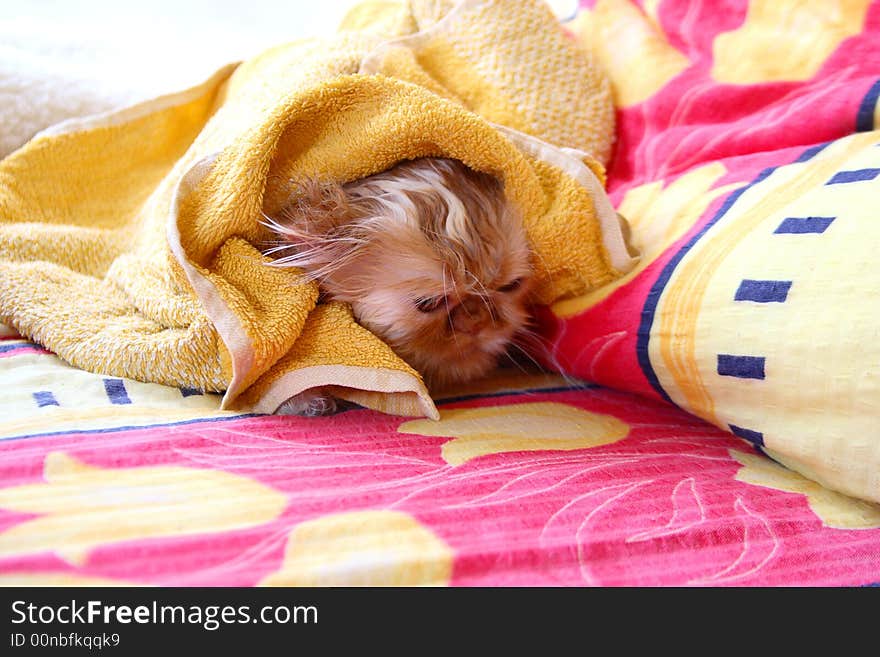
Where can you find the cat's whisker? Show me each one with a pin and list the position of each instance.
(461, 265)
(306, 262)
(527, 332)
(570, 381)
(526, 353)
(532, 344)
(515, 362)
(270, 222)
(448, 311)
(279, 248)
(484, 297)
(540, 345)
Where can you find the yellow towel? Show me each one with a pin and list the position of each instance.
(130, 242)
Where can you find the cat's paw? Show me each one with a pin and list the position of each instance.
(310, 403)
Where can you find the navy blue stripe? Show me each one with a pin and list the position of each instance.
(85, 432)
(754, 437)
(742, 367)
(853, 176)
(189, 392)
(812, 151)
(644, 333)
(20, 345)
(762, 291)
(514, 393)
(791, 225)
(802, 225)
(116, 391)
(45, 398)
(865, 116)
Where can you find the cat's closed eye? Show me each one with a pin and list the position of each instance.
(515, 284)
(429, 304)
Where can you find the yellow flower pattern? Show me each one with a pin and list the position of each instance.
(833, 509)
(81, 506)
(518, 428)
(363, 548)
(623, 38)
(785, 39)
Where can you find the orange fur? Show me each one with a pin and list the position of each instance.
(430, 255)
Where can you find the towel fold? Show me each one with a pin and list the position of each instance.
(130, 242)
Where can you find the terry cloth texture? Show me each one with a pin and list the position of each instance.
(130, 242)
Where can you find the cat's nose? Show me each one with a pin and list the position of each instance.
(471, 316)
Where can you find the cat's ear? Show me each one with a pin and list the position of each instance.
(317, 209)
(316, 228)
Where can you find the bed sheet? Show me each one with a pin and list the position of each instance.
(527, 480)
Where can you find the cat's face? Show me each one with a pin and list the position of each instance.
(431, 258)
(448, 314)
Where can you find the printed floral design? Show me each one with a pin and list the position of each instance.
(518, 428)
(834, 509)
(82, 506)
(363, 548)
